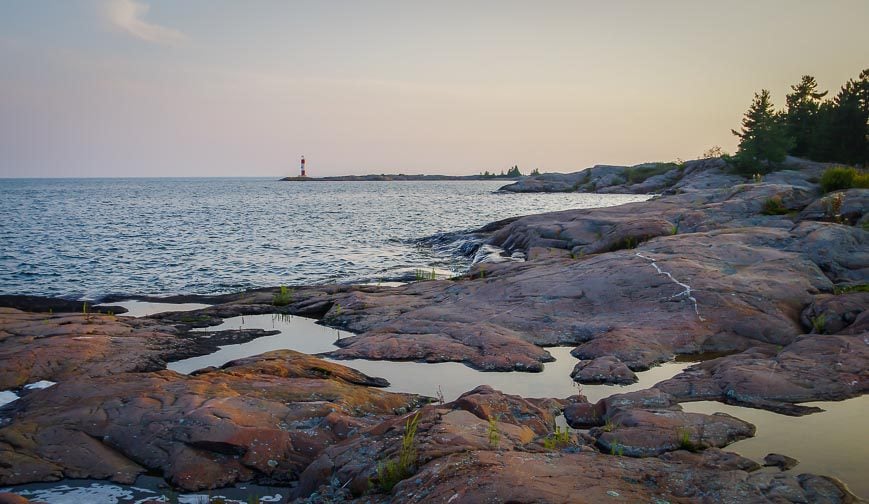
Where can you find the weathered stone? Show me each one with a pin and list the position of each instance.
(264, 418)
(607, 369)
(57, 347)
(582, 415)
(829, 314)
(832, 367)
(783, 462)
(648, 433)
(480, 419)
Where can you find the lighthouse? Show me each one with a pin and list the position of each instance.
(303, 166)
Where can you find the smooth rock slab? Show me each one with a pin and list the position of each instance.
(648, 433)
(263, 418)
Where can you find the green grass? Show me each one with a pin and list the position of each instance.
(422, 275)
(190, 319)
(819, 323)
(493, 433)
(845, 289)
(610, 426)
(837, 178)
(773, 206)
(617, 448)
(628, 242)
(390, 472)
(637, 174)
(684, 438)
(283, 297)
(557, 440)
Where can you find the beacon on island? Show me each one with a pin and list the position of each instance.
(303, 166)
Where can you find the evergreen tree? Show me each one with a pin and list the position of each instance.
(762, 139)
(514, 172)
(847, 127)
(801, 118)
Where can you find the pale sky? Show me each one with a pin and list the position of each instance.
(228, 88)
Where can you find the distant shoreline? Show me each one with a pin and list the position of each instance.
(395, 177)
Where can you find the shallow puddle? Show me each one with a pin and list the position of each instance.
(834, 442)
(145, 308)
(449, 379)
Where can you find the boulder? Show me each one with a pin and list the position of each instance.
(606, 369)
(783, 462)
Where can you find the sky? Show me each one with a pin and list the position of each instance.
(151, 88)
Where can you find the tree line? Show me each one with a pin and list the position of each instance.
(513, 172)
(811, 126)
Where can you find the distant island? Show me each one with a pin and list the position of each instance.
(512, 174)
(395, 177)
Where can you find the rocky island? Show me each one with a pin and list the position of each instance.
(763, 280)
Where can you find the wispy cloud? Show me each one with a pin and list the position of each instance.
(128, 15)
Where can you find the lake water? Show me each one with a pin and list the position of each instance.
(87, 238)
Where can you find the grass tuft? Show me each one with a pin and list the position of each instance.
(390, 472)
(493, 433)
(283, 297)
(773, 206)
(557, 440)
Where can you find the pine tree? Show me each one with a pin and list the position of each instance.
(848, 123)
(762, 139)
(801, 118)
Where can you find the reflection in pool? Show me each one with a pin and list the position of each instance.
(145, 308)
(448, 378)
(834, 442)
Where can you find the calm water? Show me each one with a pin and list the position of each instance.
(86, 238)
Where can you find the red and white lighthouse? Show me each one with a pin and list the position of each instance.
(303, 166)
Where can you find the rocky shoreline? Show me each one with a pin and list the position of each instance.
(778, 295)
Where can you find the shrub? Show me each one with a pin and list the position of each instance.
(640, 173)
(837, 178)
(773, 206)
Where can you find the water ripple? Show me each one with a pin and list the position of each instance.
(92, 237)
